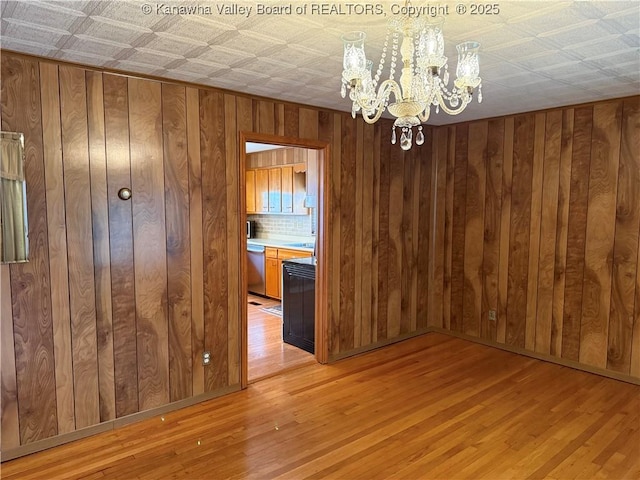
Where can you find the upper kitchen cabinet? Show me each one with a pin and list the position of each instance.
(279, 189)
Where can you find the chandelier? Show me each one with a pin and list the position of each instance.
(423, 79)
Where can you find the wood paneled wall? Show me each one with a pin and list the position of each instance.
(280, 156)
(534, 216)
(111, 315)
(541, 220)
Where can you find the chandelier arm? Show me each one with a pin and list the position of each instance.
(466, 100)
(384, 92)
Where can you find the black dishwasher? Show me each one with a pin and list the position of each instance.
(298, 302)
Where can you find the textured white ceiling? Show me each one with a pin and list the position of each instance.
(534, 54)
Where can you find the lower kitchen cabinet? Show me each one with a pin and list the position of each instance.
(273, 267)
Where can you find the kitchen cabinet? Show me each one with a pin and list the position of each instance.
(275, 190)
(261, 188)
(250, 178)
(280, 190)
(273, 260)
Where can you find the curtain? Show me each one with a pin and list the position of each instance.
(14, 246)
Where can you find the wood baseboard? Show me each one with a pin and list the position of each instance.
(540, 356)
(47, 443)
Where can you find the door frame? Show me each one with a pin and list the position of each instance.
(322, 250)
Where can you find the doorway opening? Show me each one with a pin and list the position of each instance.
(285, 227)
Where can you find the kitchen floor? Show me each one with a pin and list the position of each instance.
(268, 354)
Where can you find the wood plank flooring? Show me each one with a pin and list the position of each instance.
(430, 407)
(268, 354)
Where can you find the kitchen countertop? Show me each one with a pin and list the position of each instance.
(302, 261)
(278, 243)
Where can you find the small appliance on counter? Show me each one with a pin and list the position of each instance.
(251, 229)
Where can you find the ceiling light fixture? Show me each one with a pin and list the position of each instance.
(423, 80)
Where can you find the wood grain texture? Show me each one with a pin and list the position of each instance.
(347, 230)
(394, 252)
(534, 231)
(291, 120)
(375, 233)
(383, 243)
(357, 291)
(75, 144)
(149, 241)
(635, 340)
(458, 227)
(625, 255)
(176, 199)
(234, 250)
(492, 216)
(601, 225)
(449, 158)
(407, 239)
(367, 234)
(214, 231)
(308, 123)
(195, 234)
(560, 268)
(266, 116)
(548, 225)
(101, 256)
(58, 262)
(125, 354)
(524, 127)
(423, 426)
(30, 282)
(9, 420)
(505, 230)
(423, 242)
(474, 227)
(576, 234)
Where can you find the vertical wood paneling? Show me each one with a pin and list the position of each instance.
(519, 231)
(291, 121)
(492, 215)
(401, 243)
(233, 233)
(176, 187)
(357, 291)
(625, 255)
(448, 157)
(505, 230)
(214, 231)
(347, 237)
(266, 117)
(406, 242)
(601, 225)
(30, 282)
(195, 233)
(560, 268)
(101, 257)
(534, 231)
(577, 226)
(375, 246)
(383, 243)
(428, 163)
(367, 234)
(474, 227)
(458, 231)
(9, 423)
(75, 145)
(125, 355)
(58, 262)
(394, 253)
(548, 225)
(149, 241)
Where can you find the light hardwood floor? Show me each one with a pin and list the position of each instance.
(430, 407)
(268, 354)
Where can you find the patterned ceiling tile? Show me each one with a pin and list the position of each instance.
(564, 52)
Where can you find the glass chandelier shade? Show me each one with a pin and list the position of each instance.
(416, 47)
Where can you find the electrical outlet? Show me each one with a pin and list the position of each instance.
(206, 358)
(492, 315)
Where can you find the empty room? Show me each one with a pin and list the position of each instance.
(341, 240)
